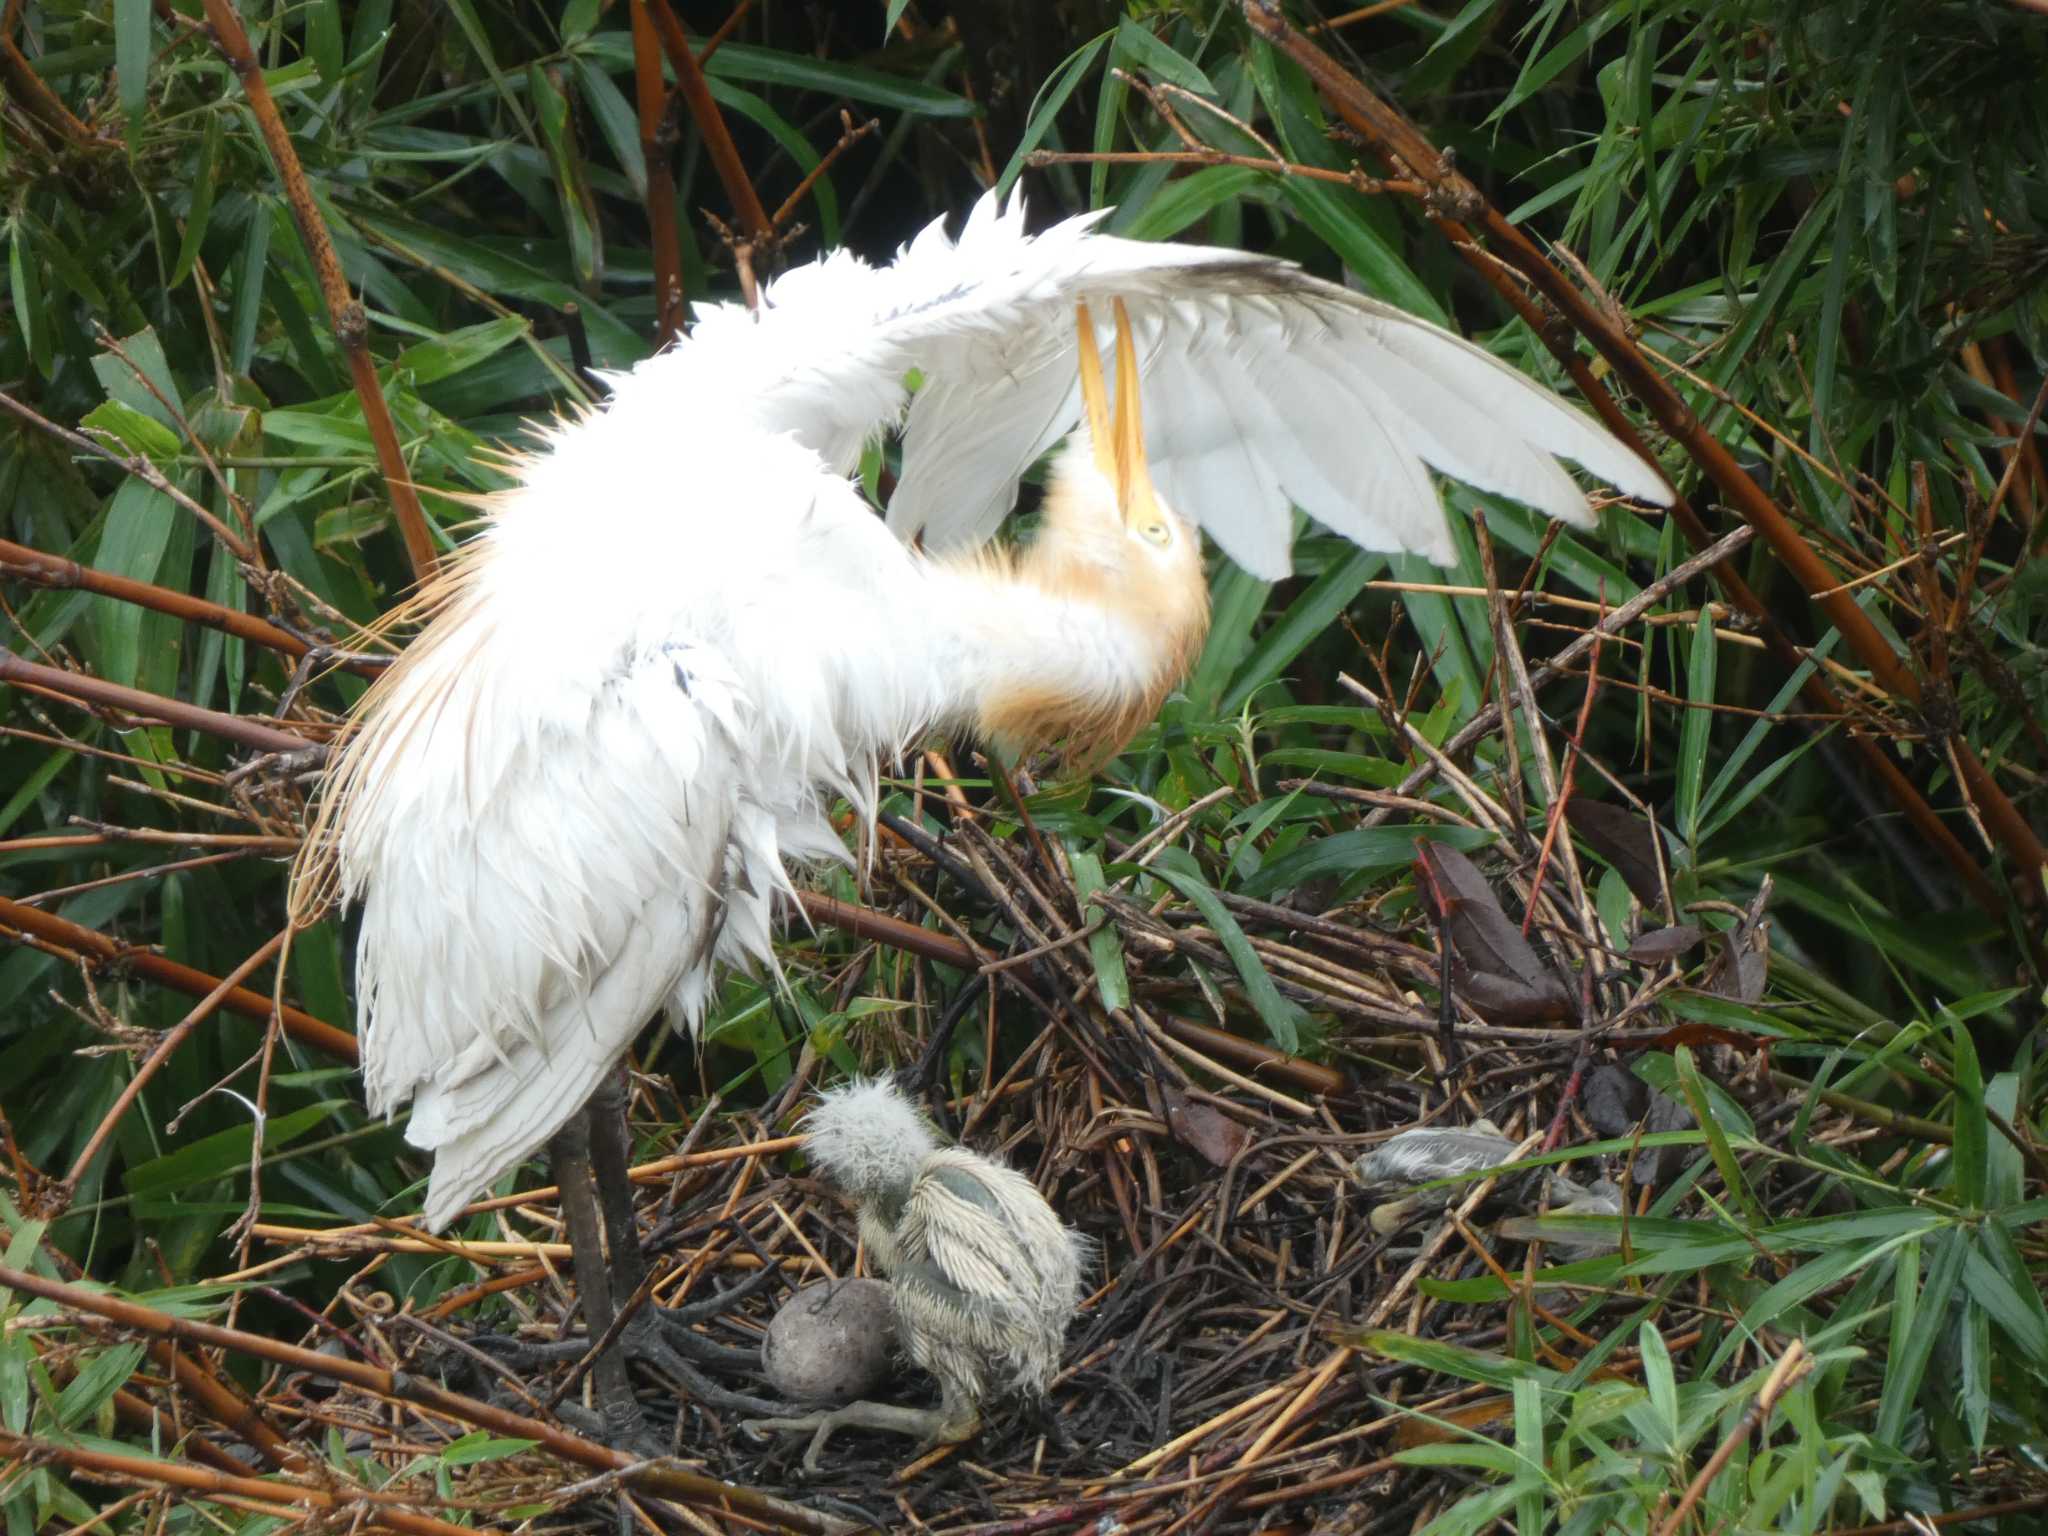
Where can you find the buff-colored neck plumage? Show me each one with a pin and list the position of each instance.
(1127, 602)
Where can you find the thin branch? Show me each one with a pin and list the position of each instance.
(1354, 178)
(173, 1037)
(151, 706)
(54, 571)
(850, 134)
(718, 144)
(92, 948)
(135, 464)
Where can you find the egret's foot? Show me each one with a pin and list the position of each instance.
(669, 1349)
(932, 1426)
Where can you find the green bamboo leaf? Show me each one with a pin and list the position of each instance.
(324, 40)
(97, 1380)
(1696, 727)
(1361, 850)
(480, 1446)
(1046, 106)
(16, 1358)
(131, 58)
(225, 1153)
(24, 283)
(136, 542)
(1996, 1276)
(1970, 1154)
(1530, 1518)
(1187, 200)
(1439, 1358)
(133, 431)
(146, 353)
(1237, 598)
(1918, 1323)
(615, 119)
(460, 350)
(1105, 945)
(1139, 48)
(204, 176)
(1703, 1110)
(1306, 618)
(1284, 1019)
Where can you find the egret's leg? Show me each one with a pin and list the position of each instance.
(954, 1420)
(569, 1153)
(661, 1338)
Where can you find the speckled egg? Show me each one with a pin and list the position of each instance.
(832, 1342)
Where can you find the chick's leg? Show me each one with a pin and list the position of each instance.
(954, 1420)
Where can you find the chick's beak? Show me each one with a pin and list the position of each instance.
(1119, 445)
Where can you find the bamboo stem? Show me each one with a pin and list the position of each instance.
(351, 322)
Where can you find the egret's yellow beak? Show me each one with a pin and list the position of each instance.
(1119, 448)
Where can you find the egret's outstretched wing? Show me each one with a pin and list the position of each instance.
(1264, 388)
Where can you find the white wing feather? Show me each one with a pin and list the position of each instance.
(1266, 388)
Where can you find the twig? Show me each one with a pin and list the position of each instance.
(850, 134)
(273, 1494)
(93, 947)
(718, 144)
(1354, 178)
(137, 465)
(54, 571)
(152, 706)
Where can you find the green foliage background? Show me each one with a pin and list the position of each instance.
(1831, 214)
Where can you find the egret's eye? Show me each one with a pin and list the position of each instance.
(1155, 533)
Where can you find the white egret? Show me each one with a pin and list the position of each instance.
(983, 1276)
(684, 634)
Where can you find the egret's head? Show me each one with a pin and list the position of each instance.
(1105, 473)
(1108, 545)
(869, 1139)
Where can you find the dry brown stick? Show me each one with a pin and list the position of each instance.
(203, 1483)
(850, 134)
(650, 96)
(726, 28)
(1917, 1524)
(54, 571)
(893, 931)
(1262, 1061)
(646, 1476)
(35, 98)
(1390, 133)
(92, 947)
(78, 687)
(351, 322)
(718, 144)
(1355, 179)
(172, 1038)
